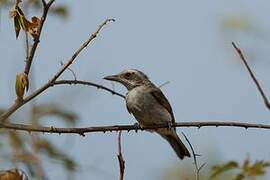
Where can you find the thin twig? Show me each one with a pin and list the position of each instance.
(72, 72)
(26, 46)
(164, 84)
(29, 59)
(87, 83)
(197, 168)
(120, 158)
(238, 50)
(37, 92)
(83, 130)
(83, 46)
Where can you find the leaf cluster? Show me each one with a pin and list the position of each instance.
(246, 170)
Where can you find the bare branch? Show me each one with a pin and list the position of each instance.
(83, 46)
(82, 131)
(120, 158)
(43, 3)
(29, 59)
(51, 82)
(238, 50)
(26, 46)
(197, 168)
(87, 83)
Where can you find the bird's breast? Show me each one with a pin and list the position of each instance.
(145, 108)
(135, 99)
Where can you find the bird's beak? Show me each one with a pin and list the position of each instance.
(113, 78)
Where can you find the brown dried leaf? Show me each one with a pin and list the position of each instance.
(20, 21)
(17, 26)
(14, 13)
(33, 26)
(13, 174)
(35, 21)
(9, 175)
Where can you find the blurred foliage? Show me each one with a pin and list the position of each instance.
(61, 11)
(214, 170)
(247, 170)
(237, 23)
(44, 110)
(27, 149)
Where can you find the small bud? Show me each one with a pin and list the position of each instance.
(22, 85)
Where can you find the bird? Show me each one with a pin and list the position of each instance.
(147, 103)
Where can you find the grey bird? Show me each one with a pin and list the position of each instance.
(149, 106)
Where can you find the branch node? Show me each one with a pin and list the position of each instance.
(82, 134)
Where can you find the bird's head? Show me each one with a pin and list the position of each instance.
(130, 78)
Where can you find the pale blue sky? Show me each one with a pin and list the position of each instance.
(183, 42)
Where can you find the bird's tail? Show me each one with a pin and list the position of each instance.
(177, 145)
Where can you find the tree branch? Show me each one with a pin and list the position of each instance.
(29, 59)
(51, 82)
(87, 83)
(197, 168)
(120, 158)
(83, 46)
(82, 131)
(238, 50)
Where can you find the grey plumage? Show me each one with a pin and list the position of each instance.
(149, 106)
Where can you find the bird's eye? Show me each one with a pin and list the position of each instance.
(128, 75)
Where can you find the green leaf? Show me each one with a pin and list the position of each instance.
(258, 168)
(218, 169)
(239, 176)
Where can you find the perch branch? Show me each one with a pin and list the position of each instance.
(82, 131)
(241, 55)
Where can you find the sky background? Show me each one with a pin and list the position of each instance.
(187, 43)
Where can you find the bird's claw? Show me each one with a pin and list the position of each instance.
(137, 126)
(169, 125)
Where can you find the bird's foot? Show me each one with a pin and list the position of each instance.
(169, 125)
(137, 126)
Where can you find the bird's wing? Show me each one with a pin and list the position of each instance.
(162, 100)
